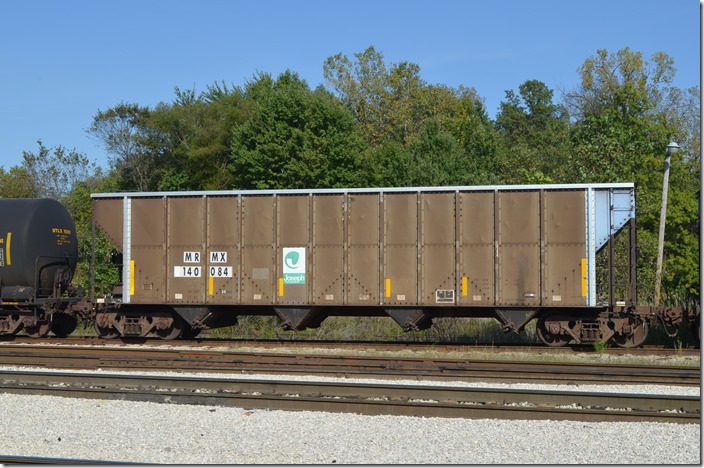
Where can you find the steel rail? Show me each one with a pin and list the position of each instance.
(370, 399)
(348, 366)
(287, 342)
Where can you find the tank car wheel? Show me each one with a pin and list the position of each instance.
(548, 337)
(12, 325)
(635, 339)
(63, 325)
(173, 331)
(38, 331)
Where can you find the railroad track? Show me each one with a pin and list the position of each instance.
(150, 359)
(361, 398)
(380, 345)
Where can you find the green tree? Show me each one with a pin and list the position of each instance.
(295, 138)
(398, 112)
(389, 164)
(534, 143)
(131, 143)
(194, 134)
(438, 159)
(362, 87)
(391, 103)
(463, 115)
(16, 183)
(621, 85)
(53, 172)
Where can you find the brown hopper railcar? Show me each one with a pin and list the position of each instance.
(562, 254)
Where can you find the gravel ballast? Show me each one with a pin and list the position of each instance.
(122, 431)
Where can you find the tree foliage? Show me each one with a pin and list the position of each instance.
(400, 115)
(129, 140)
(53, 172)
(193, 136)
(534, 132)
(16, 183)
(295, 138)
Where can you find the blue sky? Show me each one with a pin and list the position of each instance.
(63, 61)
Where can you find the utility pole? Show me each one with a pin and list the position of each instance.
(672, 148)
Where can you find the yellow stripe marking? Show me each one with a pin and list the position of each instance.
(584, 277)
(211, 285)
(281, 287)
(7, 249)
(131, 277)
(388, 287)
(464, 286)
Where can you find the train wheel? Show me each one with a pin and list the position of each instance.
(550, 335)
(10, 324)
(635, 339)
(63, 325)
(38, 331)
(172, 331)
(106, 332)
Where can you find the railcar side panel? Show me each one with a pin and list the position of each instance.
(185, 246)
(148, 251)
(258, 250)
(328, 250)
(293, 249)
(518, 248)
(363, 283)
(222, 252)
(438, 262)
(476, 226)
(108, 216)
(400, 249)
(564, 236)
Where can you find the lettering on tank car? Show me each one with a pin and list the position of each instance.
(62, 235)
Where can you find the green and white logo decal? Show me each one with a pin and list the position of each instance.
(294, 265)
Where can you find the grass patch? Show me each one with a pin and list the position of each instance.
(460, 330)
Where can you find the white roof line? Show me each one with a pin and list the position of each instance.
(462, 188)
